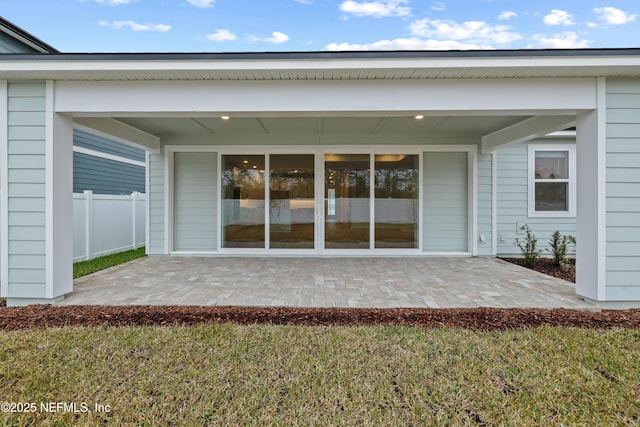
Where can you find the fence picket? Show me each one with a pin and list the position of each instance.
(104, 224)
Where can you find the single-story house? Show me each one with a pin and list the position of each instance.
(394, 153)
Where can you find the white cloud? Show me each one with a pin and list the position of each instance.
(113, 2)
(559, 17)
(201, 3)
(276, 37)
(407, 44)
(439, 6)
(470, 32)
(592, 24)
(221, 35)
(134, 26)
(377, 9)
(614, 16)
(303, 1)
(506, 15)
(566, 40)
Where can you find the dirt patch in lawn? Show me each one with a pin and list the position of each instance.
(547, 266)
(43, 316)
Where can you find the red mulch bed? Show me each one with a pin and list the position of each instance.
(547, 266)
(43, 316)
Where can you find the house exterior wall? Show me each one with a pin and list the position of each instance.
(157, 204)
(513, 202)
(195, 203)
(191, 214)
(9, 44)
(484, 205)
(623, 190)
(445, 199)
(107, 167)
(26, 195)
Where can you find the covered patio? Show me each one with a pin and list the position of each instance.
(370, 282)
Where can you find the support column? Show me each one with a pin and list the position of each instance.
(591, 200)
(39, 267)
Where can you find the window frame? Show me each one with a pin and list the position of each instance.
(531, 179)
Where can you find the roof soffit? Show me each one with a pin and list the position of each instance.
(278, 67)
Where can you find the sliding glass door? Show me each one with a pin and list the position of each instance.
(243, 201)
(396, 201)
(292, 201)
(347, 201)
(269, 201)
(351, 202)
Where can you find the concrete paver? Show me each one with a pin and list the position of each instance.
(324, 282)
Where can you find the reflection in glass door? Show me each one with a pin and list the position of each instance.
(292, 201)
(396, 201)
(347, 201)
(243, 204)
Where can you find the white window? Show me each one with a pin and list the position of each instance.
(552, 180)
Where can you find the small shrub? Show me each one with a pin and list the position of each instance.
(528, 247)
(559, 247)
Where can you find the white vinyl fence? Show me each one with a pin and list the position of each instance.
(104, 224)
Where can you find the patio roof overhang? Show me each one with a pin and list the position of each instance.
(520, 94)
(387, 65)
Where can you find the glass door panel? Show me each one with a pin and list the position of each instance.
(292, 201)
(396, 201)
(347, 201)
(243, 201)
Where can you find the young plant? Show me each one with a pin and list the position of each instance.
(559, 247)
(528, 247)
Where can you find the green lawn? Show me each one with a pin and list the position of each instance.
(83, 268)
(291, 375)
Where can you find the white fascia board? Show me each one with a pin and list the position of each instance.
(517, 64)
(525, 130)
(121, 132)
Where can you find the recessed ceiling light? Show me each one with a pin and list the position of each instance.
(225, 117)
(419, 117)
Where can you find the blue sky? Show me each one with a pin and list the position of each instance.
(316, 25)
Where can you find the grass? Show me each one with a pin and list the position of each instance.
(291, 375)
(83, 268)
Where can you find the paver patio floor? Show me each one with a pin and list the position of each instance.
(324, 282)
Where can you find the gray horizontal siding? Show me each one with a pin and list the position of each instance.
(105, 176)
(623, 190)
(195, 202)
(445, 202)
(26, 189)
(513, 203)
(94, 142)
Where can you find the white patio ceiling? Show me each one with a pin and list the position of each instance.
(472, 126)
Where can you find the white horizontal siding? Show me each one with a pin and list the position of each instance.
(195, 201)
